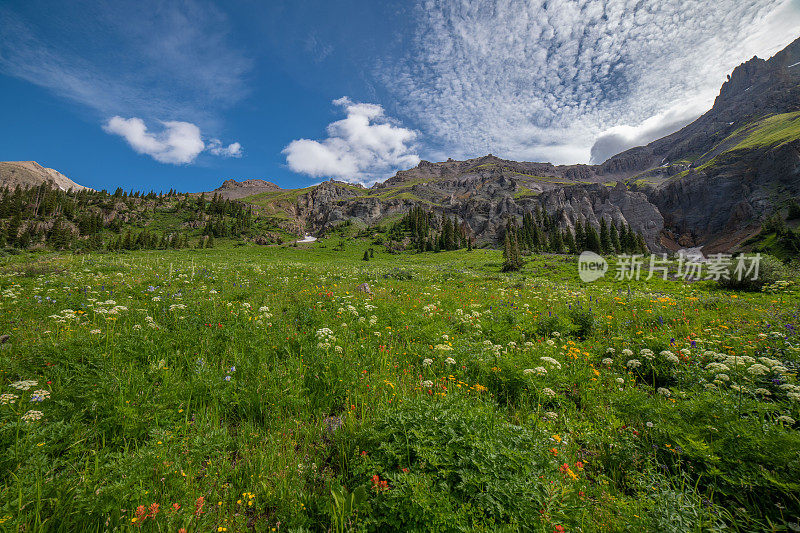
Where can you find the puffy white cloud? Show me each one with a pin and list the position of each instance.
(177, 143)
(216, 147)
(362, 147)
(522, 77)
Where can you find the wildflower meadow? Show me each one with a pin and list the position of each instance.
(263, 388)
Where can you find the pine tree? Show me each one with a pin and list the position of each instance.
(605, 237)
(592, 239)
(580, 236)
(366, 256)
(615, 239)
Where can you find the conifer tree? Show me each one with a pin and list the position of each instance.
(605, 237)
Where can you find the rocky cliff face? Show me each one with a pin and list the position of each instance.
(234, 190)
(709, 184)
(24, 174)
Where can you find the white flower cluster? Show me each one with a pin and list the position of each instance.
(8, 398)
(25, 384)
(66, 315)
(32, 416)
(548, 392)
(633, 363)
(552, 363)
(539, 370)
(40, 395)
(669, 356)
(325, 338)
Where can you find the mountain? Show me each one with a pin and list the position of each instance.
(24, 174)
(711, 184)
(234, 190)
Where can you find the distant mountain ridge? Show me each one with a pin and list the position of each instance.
(710, 184)
(23, 174)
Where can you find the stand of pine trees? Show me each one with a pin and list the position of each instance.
(45, 216)
(431, 233)
(541, 233)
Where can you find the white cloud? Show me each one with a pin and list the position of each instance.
(364, 146)
(620, 138)
(546, 78)
(216, 147)
(178, 143)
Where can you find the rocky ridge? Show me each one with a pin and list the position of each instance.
(24, 174)
(708, 185)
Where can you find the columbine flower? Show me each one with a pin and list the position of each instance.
(40, 395)
(32, 416)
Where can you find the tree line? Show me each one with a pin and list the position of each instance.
(66, 219)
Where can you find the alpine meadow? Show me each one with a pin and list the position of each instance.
(514, 266)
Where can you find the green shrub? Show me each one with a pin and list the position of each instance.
(770, 270)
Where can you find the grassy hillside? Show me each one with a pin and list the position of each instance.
(45, 217)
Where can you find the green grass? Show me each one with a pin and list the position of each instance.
(252, 388)
(771, 131)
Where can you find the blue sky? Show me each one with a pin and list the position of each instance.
(159, 95)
